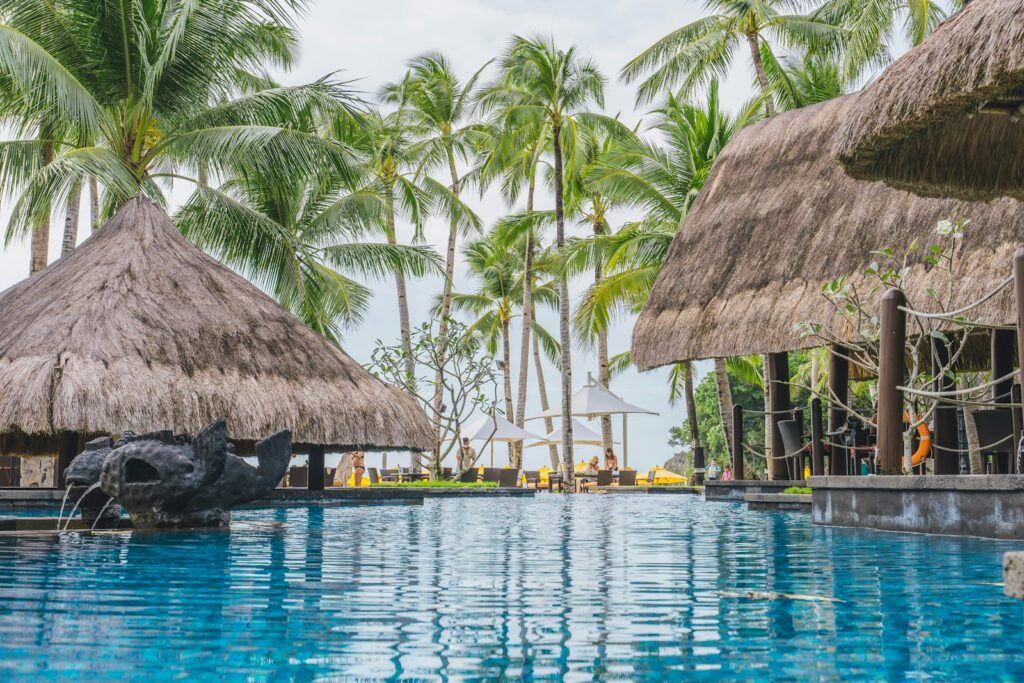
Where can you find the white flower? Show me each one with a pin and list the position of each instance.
(945, 228)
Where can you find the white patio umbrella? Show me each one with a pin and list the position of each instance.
(496, 428)
(581, 434)
(593, 400)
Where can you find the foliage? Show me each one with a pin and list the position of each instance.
(458, 366)
(799, 490)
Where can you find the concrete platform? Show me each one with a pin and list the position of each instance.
(736, 490)
(990, 506)
(12, 498)
(654, 490)
(1013, 575)
(800, 502)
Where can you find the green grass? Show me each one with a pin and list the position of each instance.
(801, 490)
(437, 484)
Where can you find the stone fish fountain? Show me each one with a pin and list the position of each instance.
(168, 482)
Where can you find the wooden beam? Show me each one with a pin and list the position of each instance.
(947, 427)
(891, 375)
(817, 444)
(737, 442)
(779, 404)
(839, 387)
(315, 482)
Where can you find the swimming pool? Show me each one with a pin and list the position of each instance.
(643, 588)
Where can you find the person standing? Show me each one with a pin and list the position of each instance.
(611, 461)
(713, 470)
(466, 456)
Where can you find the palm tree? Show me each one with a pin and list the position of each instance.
(134, 83)
(661, 181)
(802, 81)
(298, 242)
(541, 83)
(386, 143)
(693, 55)
(871, 29)
(439, 108)
(499, 271)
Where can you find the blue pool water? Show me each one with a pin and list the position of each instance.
(558, 588)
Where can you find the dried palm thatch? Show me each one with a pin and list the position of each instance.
(138, 330)
(777, 219)
(945, 119)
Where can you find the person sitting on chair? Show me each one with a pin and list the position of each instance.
(611, 461)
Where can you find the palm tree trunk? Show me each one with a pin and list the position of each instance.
(446, 300)
(762, 78)
(70, 238)
(542, 389)
(603, 376)
(563, 309)
(973, 444)
(766, 387)
(724, 401)
(506, 376)
(403, 318)
(94, 204)
(691, 404)
(40, 244)
(524, 340)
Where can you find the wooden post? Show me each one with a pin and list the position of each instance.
(1018, 284)
(315, 482)
(947, 428)
(817, 446)
(891, 374)
(698, 465)
(625, 442)
(737, 442)
(839, 386)
(1002, 365)
(1018, 425)
(778, 380)
(798, 462)
(67, 449)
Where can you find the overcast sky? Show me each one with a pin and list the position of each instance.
(371, 41)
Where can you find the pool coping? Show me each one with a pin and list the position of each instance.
(800, 502)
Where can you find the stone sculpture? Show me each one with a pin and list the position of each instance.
(164, 481)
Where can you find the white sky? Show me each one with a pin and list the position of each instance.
(371, 41)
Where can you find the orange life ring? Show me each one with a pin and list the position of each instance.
(924, 446)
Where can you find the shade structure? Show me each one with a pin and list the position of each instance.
(496, 428)
(593, 400)
(944, 119)
(581, 434)
(139, 330)
(659, 475)
(777, 219)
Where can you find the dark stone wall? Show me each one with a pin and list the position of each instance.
(984, 506)
(734, 491)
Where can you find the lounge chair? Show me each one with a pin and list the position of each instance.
(470, 476)
(627, 478)
(298, 477)
(374, 476)
(792, 442)
(329, 476)
(446, 473)
(995, 428)
(532, 479)
(604, 478)
(508, 479)
(492, 474)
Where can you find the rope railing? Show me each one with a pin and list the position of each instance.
(980, 449)
(957, 392)
(948, 314)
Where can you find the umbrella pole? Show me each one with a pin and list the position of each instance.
(492, 453)
(625, 443)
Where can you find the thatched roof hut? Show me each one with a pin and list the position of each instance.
(139, 330)
(776, 220)
(945, 119)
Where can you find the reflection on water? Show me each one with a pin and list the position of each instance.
(560, 587)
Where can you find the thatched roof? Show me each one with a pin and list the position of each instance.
(776, 220)
(139, 330)
(945, 119)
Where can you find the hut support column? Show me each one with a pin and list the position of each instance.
(891, 371)
(839, 392)
(1002, 365)
(316, 469)
(817, 443)
(66, 452)
(947, 426)
(1018, 286)
(778, 380)
(737, 443)
(698, 466)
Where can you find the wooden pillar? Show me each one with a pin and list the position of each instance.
(947, 428)
(316, 469)
(778, 380)
(67, 449)
(1002, 365)
(737, 442)
(817, 445)
(891, 374)
(698, 465)
(1018, 426)
(839, 387)
(798, 462)
(1018, 277)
